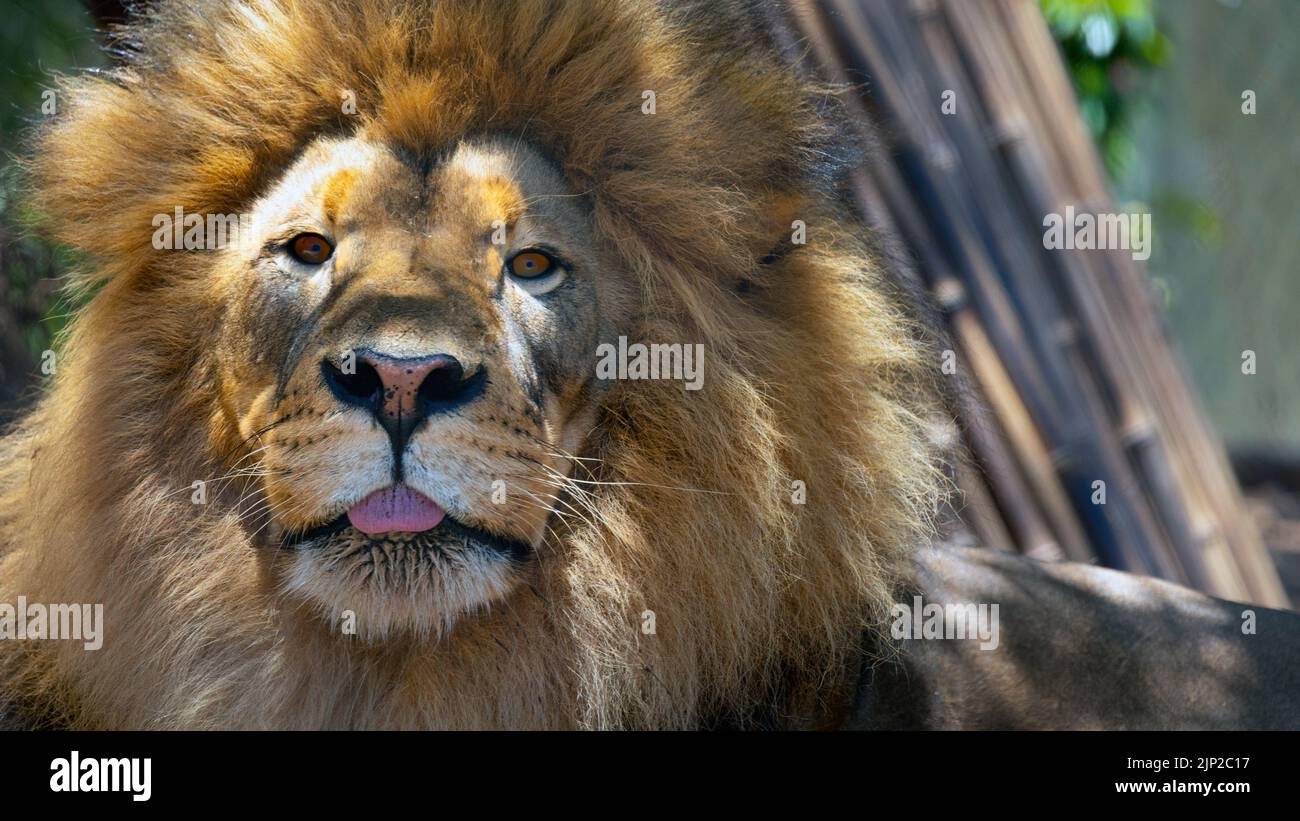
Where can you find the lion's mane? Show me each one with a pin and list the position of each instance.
(814, 375)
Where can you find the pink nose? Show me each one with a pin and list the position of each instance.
(402, 391)
(402, 380)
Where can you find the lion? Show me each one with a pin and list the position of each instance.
(356, 469)
(349, 461)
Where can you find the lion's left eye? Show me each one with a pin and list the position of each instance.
(531, 264)
(312, 249)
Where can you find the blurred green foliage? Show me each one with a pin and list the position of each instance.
(1109, 46)
(29, 279)
(38, 38)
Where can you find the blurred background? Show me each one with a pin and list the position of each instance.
(1081, 368)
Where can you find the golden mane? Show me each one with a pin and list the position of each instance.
(814, 376)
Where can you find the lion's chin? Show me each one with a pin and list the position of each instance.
(385, 586)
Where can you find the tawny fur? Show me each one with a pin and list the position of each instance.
(813, 375)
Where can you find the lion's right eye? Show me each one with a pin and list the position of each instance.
(311, 249)
(532, 264)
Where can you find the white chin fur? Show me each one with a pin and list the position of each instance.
(405, 594)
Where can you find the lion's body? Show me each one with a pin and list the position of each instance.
(814, 376)
(1082, 648)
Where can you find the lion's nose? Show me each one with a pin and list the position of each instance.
(401, 391)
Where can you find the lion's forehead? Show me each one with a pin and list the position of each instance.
(469, 189)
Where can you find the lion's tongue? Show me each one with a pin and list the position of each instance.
(395, 508)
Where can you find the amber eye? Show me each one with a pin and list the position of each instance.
(531, 264)
(313, 249)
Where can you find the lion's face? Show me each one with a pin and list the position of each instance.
(407, 357)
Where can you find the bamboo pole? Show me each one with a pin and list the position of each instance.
(1072, 379)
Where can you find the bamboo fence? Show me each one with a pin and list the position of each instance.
(1071, 380)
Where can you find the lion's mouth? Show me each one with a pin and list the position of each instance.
(400, 515)
(397, 508)
(424, 581)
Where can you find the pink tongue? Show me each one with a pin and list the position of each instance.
(395, 508)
